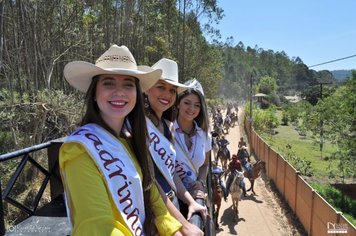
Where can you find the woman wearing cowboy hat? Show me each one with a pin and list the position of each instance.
(192, 140)
(159, 104)
(106, 172)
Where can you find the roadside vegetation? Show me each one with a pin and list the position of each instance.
(318, 139)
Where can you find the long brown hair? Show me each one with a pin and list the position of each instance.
(139, 138)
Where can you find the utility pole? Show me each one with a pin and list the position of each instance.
(321, 82)
(251, 121)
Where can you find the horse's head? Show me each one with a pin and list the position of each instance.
(239, 175)
(260, 165)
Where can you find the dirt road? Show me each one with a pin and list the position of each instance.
(263, 214)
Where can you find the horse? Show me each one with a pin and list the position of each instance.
(223, 155)
(217, 196)
(218, 129)
(215, 147)
(226, 125)
(234, 119)
(236, 191)
(256, 172)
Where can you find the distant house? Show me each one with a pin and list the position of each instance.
(262, 100)
(293, 99)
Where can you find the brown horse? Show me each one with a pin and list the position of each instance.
(223, 155)
(236, 191)
(217, 196)
(256, 172)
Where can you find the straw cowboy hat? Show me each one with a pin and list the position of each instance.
(116, 60)
(169, 72)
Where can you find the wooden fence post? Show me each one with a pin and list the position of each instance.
(311, 213)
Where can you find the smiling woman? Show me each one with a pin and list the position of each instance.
(116, 97)
(106, 172)
(192, 141)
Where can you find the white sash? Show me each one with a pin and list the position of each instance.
(185, 168)
(163, 153)
(120, 173)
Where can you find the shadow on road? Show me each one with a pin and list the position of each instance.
(253, 198)
(227, 218)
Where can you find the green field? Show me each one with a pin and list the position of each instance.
(305, 148)
(324, 170)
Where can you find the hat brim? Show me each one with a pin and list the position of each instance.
(79, 74)
(180, 87)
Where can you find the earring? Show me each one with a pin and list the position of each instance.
(146, 102)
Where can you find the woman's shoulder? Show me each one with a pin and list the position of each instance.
(70, 150)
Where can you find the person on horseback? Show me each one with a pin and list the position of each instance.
(227, 120)
(218, 172)
(222, 142)
(242, 142)
(244, 157)
(234, 164)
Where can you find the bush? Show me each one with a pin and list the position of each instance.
(285, 118)
(338, 200)
(49, 115)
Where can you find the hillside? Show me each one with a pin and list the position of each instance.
(341, 75)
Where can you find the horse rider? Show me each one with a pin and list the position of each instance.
(244, 157)
(234, 164)
(242, 142)
(218, 172)
(222, 142)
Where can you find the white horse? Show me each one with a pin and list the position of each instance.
(236, 191)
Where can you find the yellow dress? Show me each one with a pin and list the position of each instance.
(93, 211)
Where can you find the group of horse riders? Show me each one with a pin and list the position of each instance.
(239, 162)
(222, 125)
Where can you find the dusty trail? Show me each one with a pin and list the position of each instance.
(262, 214)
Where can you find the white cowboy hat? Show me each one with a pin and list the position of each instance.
(195, 85)
(116, 60)
(169, 72)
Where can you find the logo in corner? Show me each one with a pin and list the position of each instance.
(336, 228)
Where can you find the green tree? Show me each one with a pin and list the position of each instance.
(267, 85)
(338, 114)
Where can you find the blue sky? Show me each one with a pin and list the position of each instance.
(315, 30)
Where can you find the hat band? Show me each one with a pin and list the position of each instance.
(115, 58)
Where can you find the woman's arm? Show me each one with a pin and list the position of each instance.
(187, 198)
(166, 223)
(91, 205)
(203, 171)
(188, 228)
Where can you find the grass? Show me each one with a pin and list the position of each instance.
(305, 148)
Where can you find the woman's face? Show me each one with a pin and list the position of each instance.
(189, 107)
(116, 97)
(161, 97)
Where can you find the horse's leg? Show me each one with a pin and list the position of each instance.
(217, 216)
(252, 183)
(237, 210)
(225, 164)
